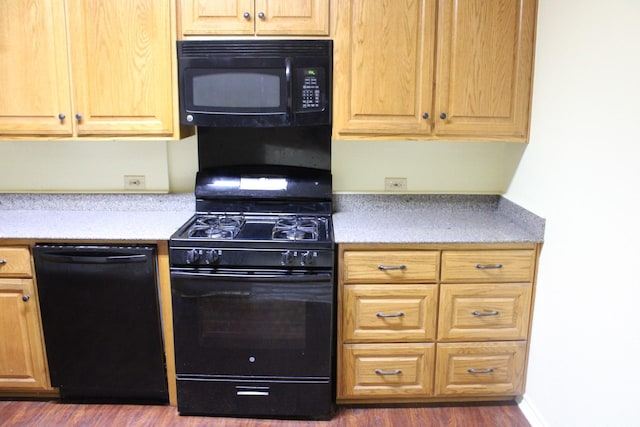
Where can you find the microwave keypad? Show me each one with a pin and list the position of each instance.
(310, 92)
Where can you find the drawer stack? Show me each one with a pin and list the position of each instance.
(22, 364)
(433, 323)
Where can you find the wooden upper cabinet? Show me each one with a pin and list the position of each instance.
(88, 68)
(433, 69)
(121, 61)
(485, 58)
(383, 67)
(259, 17)
(34, 71)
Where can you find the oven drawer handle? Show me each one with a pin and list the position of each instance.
(252, 393)
(485, 313)
(480, 371)
(488, 266)
(384, 315)
(394, 372)
(392, 267)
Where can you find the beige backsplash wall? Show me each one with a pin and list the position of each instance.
(170, 166)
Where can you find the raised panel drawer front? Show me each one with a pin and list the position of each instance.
(480, 368)
(390, 266)
(15, 262)
(488, 266)
(481, 312)
(390, 313)
(387, 370)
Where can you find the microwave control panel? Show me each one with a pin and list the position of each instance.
(311, 84)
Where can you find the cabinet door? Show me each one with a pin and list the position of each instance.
(398, 313)
(484, 312)
(480, 368)
(383, 67)
(484, 68)
(34, 71)
(292, 17)
(217, 17)
(22, 363)
(122, 71)
(386, 370)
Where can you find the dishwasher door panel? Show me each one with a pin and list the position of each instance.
(101, 321)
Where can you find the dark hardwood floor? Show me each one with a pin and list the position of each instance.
(54, 414)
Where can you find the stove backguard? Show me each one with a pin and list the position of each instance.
(307, 146)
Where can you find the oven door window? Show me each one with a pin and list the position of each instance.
(233, 90)
(265, 326)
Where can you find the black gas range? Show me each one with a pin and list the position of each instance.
(252, 276)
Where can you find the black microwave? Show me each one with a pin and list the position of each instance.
(255, 83)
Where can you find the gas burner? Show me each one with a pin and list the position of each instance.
(295, 228)
(217, 226)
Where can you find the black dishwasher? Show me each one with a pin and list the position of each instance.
(101, 321)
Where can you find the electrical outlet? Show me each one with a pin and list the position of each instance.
(395, 184)
(134, 182)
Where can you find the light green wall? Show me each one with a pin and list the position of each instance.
(170, 166)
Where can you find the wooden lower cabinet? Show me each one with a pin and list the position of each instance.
(22, 358)
(422, 322)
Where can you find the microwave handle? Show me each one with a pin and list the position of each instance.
(289, 81)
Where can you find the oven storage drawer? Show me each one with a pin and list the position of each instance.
(488, 266)
(480, 368)
(390, 266)
(387, 370)
(477, 312)
(246, 397)
(398, 313)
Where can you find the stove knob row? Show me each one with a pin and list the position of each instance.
(203, 256)
(301, 258)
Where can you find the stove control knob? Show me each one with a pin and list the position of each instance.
(309, 258)
(211, 256)
(288, 257)
(193, 256)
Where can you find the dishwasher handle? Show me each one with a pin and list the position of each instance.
(93, 258)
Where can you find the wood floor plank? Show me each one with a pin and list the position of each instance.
(56, 414)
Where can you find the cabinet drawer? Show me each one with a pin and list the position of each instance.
(484, 312)
(390, 266)
(15, 262)
(396, 313)
(386, 370)
(480, 368)
(488, 266)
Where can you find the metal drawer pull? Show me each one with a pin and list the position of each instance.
(394, 372)
(480, 371)
(485, 313)
(488, 266)
(392, 267)
(398, 314)
(252, 393)
(3, 261)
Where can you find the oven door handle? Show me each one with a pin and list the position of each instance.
(261, 277)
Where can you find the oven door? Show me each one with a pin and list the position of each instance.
(270, 323)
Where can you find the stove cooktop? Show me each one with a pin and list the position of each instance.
(242, 228)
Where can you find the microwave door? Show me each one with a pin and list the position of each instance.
(240, 94)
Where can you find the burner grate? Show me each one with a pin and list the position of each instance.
(296, 228)
(217, 226)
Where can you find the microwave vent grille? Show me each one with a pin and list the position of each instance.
(257, 48)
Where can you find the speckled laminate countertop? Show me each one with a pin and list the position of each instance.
(426, 218)
(93, 216)
(358, 218)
